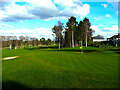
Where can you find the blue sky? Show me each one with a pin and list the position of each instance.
(35, 18)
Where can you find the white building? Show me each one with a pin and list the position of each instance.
(98, 38)
(115, 40)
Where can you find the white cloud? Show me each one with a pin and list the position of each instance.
(10, 0)
(37, 9)
(101, 17)
(108, 15)
(73, 7)
(37, 32)
(104, 5)
(82, 11)
(57, 18)
(64, 2)
(112, 28)
(21, 21)
(15, 12)
(98, 18)
(43, 9)
(105, 31)
(73, 0)
(81, 17)
(113, 0)
(95, 28)
(3, 24)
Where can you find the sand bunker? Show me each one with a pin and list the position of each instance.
(9, 58)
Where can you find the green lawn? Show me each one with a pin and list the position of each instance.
(65, 68)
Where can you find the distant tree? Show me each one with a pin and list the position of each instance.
(33, 41)
(43, 41)
(36, 42)
(4, 42)
(27, 41)
(49, 41)
(11, 41)
(21, 41)
(57, 30)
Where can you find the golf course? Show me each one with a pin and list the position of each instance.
(49, 67)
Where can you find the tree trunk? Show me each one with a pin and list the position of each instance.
(10, 46)
(81, 43)
(15, 47)
(59, 42)
(86, 38)
(82, 48)
(70, 44)
(72, 40)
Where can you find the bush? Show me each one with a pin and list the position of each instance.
(100, 44)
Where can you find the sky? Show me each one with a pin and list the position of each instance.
(35, 18)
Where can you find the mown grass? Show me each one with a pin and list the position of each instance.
(65, 68)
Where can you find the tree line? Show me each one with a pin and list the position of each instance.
(74, 33)
(13, 42)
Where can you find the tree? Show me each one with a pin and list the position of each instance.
(12, 42)
(71, 27)
(88, 30)
(33, 41)
(36, 42)
(49, 41)
(57, 30)
(27, 41)
(4, 41)
(21, 41)
(67, 37)
(80, 32)
(42, 40)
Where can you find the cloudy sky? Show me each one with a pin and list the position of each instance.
(35, 18)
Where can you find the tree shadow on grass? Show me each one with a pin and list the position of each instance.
(55, 48)
(37, 48)
(62, 49)
(13, 85)
(76, 50)
(118, 52)
(115, 50)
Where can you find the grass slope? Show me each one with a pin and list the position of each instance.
(65, 68)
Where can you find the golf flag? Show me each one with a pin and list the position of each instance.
(80, 47)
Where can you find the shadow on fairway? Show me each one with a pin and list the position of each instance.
(76, 50)
(115, 50)
(62, 49)
(13, 85)
(118, 52)
(35, 48)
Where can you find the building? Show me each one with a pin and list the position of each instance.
(115, 40)
(98, 38)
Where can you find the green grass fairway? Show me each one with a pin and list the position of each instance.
(65, 68)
